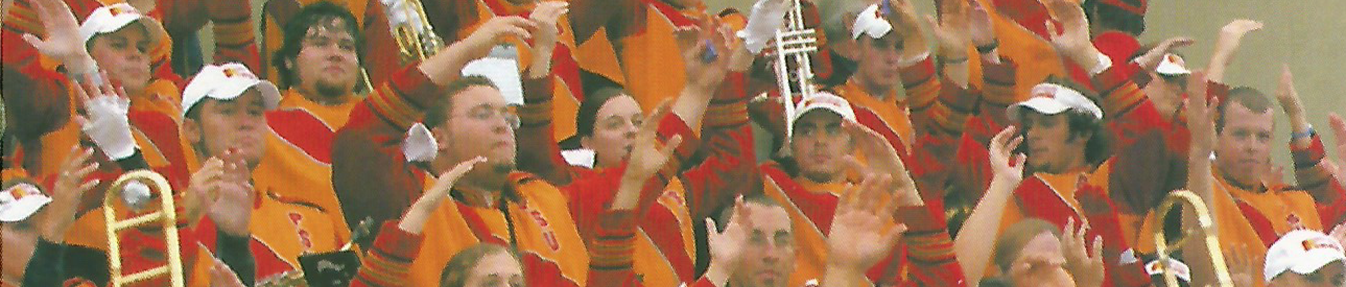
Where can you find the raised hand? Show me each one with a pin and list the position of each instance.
(1072, 38)
(952, 29)
(202, 189)
(104, 117)
(706, 53)
(907, 22)
(858, 238)
(646, 159)
(414, 220)
(447, 65)
(980, 28)
(1084, 266)
(63, 41)
(70, 186)
(726, 246)
(1005, 163)
(882, 159)
(1290, 102)
(545, 16)
(1200, 116)
(232, 209)
(1231, 35)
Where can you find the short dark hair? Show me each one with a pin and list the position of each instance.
(1117, 18)
(1098, 147)
(756, 197)
(1247, 97)
(297, 28)
(456, 271)
(438, 113)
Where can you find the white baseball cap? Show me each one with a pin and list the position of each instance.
(1180, 270)
(1170, 66)
(110, 18)
(20, 201)
(1053, 99)
(225, 82)
(824, 101)
(1301, 251)
(870, 22)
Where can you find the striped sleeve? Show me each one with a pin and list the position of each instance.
(612, 251)
(1312, 175)
(730, 163)
(930, 249)
(538, 151)
(402, 100)
(998, 89)
(1118, 93)
(389, 262)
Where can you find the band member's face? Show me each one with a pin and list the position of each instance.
(480, 124)
(1331, 275)
(20, 239)
(327, 64)
(124, 54)
(496, 270)
(1041, 263)
(1051, 147)
(1244, 145)
(768, 258)
(820, 145)
(879, 61)
(238, 123)
(614, 130)
(1166, 92)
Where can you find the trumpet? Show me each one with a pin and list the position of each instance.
(411, 29)
(1210, 239)
(134, 188)
(794, 44)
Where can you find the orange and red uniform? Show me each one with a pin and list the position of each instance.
(299, 150)
(543, 222)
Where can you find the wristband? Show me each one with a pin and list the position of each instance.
(1102, 65)
(1308, 134)
(955, 61)
(983, 49)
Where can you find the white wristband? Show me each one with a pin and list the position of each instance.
(1102, 65)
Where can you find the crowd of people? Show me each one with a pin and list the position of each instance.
(657, 143)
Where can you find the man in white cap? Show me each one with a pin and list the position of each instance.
(824, 141)
(1167, 85)
(1304, 258)
(18, 202)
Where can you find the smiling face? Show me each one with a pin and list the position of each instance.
(614, 130)
(327, 66)
(124, 54)
(769, 255)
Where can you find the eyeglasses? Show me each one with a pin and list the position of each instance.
(488, 113)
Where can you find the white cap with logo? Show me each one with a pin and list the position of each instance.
(820, 100)
(110, 18)
(1053, 99)
(226, 82)
(1301, 251)
(870, 22)
(1170, 66)
(20, 201)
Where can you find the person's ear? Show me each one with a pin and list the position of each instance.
(443, 140)
(586, 142)
(191, 131)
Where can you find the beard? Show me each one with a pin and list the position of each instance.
(330, 90)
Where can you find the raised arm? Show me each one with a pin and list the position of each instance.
(973, 246)
(1307, 147)
(389, 262)
(1201, 123)
(538, 151)
(863, 231)
(1226, 45)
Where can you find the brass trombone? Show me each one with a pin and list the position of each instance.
(133, 183)
(1210, 239)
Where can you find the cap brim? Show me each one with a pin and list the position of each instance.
(1316, 259)
(153, 28)
(270, 94)
(1171, 69)
(1040, 104)
(23, 208)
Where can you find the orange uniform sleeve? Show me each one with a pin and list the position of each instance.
(389, 262)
